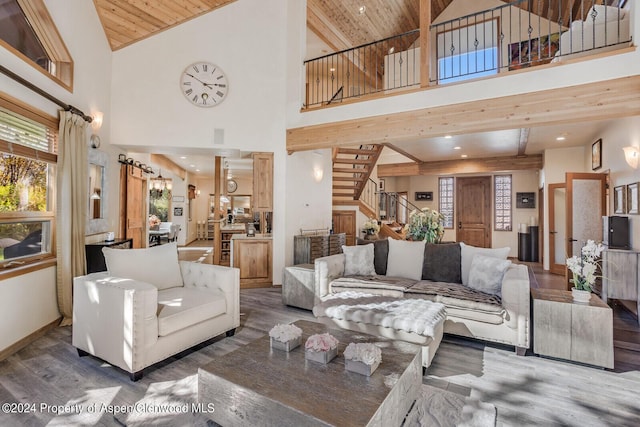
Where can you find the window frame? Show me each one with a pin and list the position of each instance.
(29, 263)
(442, 179)
(495, 202)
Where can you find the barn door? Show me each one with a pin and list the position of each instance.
(133, 221)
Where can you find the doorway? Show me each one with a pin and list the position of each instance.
(473, 211)
(345, 222)
(557, 223)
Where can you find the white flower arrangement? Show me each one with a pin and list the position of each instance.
(584, 266)
(321, 342)
(371, 226)
(367, 353)
(284, 333)
(425, 224)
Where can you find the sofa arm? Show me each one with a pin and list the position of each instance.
(215, 277)
(516, 297)
(327, 269)
(114, 318)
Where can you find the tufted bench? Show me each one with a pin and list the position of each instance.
(417, 321)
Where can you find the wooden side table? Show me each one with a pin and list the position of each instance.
(572, 331)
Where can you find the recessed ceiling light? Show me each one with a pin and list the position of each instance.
(448, 137)
(192, 166)
(457, 148)
(464, 156)
(560, 138)
(183, 157)
(362, 10)
(197, 170)
(332, 69)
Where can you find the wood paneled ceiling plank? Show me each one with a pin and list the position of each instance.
(593, 101)
(123, 27)
(160, 14)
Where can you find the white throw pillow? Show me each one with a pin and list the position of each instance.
(157, 265)
(405, 259)
(358, 260)
(486, 274)
(467, 253)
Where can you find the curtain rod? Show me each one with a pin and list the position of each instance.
(44, 94)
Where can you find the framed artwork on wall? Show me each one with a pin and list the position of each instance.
(632, 198)
(619, 200)
(424, 196)
(596, 155)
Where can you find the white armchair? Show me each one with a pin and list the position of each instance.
(148, 306)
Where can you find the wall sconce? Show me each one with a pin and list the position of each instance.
(317, 174)
(96, 124)
(631, 155)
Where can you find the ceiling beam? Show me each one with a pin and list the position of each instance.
(450, 167)
(403, 152)
(523, 140)
(165, 163)
(604, 100)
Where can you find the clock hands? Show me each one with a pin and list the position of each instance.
(203, 83)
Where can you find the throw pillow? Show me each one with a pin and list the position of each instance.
(468, 252)
(380, 253)
(405, 259)
(604, 14)
(442, 262)
(486, 274)
(157, 265)
(358, 260)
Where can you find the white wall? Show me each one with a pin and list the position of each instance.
(28, 302)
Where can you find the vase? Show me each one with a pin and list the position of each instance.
(360, 367)
(371, 236)
(580, 295)
(321, 356)
(287, 345)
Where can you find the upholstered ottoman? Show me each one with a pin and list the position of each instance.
(417, 321)
(298, 286)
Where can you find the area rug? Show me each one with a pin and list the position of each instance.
(440, 408)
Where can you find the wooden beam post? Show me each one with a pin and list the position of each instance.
(217, 192)
(425, 41)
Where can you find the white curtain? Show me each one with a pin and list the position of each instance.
(71, 208)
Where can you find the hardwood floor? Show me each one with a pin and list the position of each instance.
(527, 391)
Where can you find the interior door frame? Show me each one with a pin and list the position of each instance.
(489, 203)
(553, 267)
(570, 176)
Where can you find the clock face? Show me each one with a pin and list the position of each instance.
(231, 186)
(204, 84)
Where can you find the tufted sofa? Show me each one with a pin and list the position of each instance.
(443, 276)
(149, 306)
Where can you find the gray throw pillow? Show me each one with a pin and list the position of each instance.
(358, 260)
(380, 254)
(468, 252)
(442, 263)
(405, 259)
(486, 274)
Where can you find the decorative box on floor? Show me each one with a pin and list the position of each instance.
(360, 367)
(298, 286)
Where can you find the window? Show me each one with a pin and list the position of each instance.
(445, 200)
(28, 31)
(27, 181)
(502, 191)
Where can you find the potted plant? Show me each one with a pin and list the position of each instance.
(584, 269)
(285, 337)
(371, 229)
(362, 358)
(321, 348)
(425, 224)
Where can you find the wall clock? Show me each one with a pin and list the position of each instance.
(231, 186)
(204, 84)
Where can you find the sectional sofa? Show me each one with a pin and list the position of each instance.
(486, 295)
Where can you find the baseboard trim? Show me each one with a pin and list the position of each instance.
(19, 345)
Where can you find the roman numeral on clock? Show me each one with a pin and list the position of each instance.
(188, 91)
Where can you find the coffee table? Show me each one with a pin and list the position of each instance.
(257, 386)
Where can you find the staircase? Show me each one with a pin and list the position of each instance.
(351, 170)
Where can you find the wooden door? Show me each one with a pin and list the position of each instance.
(473, 211)
(345, 222)
(557, 228)
(136, 223)
(586, 205)
(262, 182)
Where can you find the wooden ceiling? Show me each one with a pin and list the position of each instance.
(339, 23)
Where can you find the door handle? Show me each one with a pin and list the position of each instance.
(553, 232)
(460, 225)
(572, 240)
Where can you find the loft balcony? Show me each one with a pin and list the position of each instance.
(522, 34)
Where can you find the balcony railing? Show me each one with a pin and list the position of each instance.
(520, 34)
